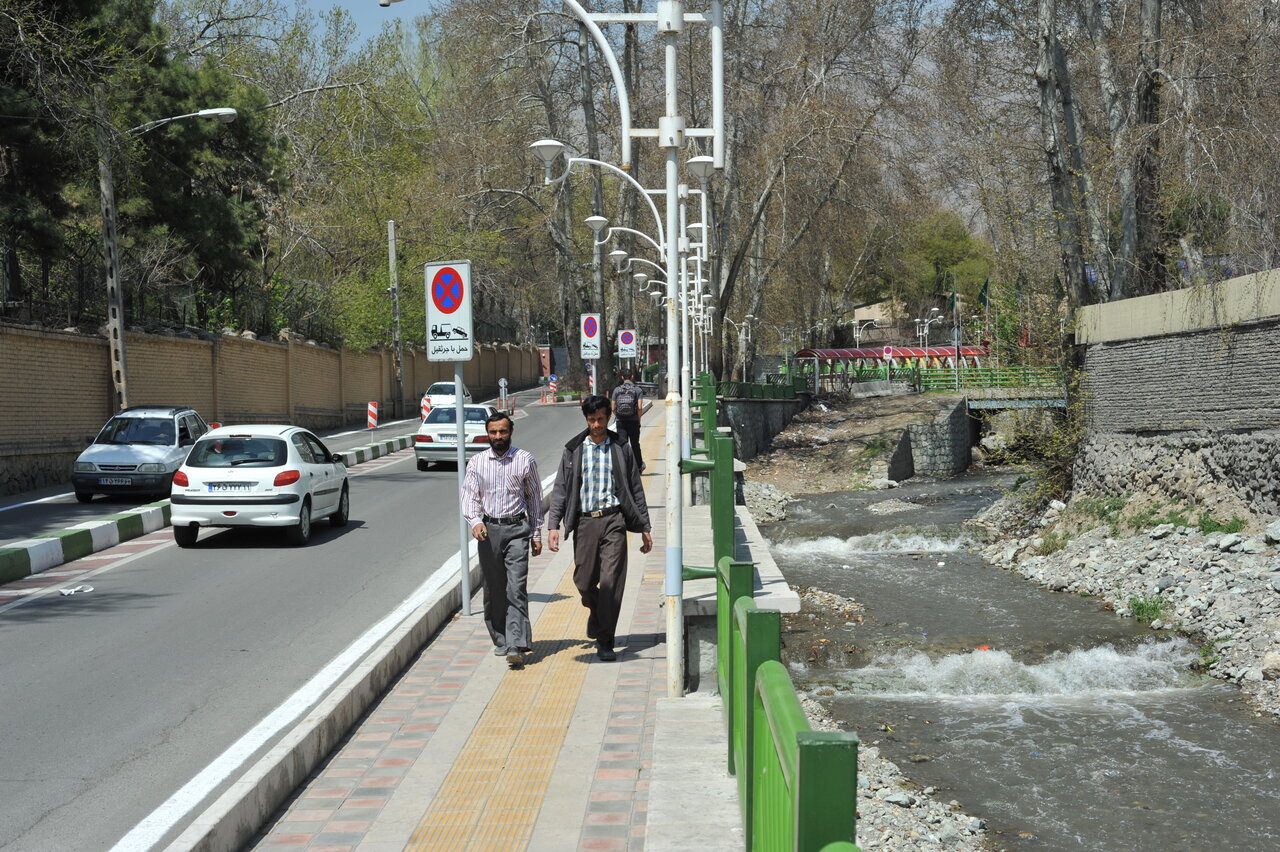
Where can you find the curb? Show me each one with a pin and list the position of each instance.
(48, 550)
(238, 814)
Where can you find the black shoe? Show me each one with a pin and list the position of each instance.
(515, 659)
(642, 467)
(607, 655)
(592, 630)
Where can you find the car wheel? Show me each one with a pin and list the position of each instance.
(185, 535)
(340, 514)
(300, 533)
(423, 464)
(84, 496)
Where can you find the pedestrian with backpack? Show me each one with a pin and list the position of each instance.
(626, 413)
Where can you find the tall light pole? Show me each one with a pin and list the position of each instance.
(396, 344)
(110, 240)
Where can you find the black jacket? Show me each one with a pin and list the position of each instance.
(565, 505)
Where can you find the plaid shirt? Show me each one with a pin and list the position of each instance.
(597, 476)
(501, 486)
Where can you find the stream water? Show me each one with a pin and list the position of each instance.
(1061, 724)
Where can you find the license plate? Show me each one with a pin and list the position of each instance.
(115, 480)
(448, 439)
(225, 487)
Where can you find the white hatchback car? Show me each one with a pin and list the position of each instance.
(441, 394)
(258, 476)
(437, 438)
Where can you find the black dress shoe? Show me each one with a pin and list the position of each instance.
(608, 655)
(592, 630)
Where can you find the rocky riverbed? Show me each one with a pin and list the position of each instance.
(1221, 589)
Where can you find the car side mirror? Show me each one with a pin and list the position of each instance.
(336, 458)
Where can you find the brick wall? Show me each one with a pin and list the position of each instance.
(56, 389)
(1219, 379)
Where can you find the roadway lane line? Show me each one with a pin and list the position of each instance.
(36, 502)
(164, 819)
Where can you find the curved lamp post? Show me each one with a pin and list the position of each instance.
(110, 240)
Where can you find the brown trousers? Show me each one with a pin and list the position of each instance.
(600, 571)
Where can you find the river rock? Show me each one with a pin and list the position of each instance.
(1162, 531)
(1230, 542)
(1271, 665)
(901, 798)
(1275, 583)
(1272, 533)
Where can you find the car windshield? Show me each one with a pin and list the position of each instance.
(441, 389)
(446, 415)
(238, 452)
(138, 430)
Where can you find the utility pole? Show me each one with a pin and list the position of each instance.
(396, 343)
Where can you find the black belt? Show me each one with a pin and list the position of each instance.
(603, 513)
(510, 519)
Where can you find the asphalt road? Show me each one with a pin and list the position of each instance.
(55, 508)
(113, 700)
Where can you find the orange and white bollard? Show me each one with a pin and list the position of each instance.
(426, 408)
(373, 415)
(553, 390)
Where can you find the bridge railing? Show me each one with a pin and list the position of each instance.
(945, 378)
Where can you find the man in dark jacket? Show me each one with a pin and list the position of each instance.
(598, 498)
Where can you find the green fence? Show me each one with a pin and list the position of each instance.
(943, 378)
(797, 787)
(782, 388)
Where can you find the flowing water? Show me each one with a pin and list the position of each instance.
(1062, 725)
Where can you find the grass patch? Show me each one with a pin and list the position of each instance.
(1208, 656)
(1146, 610)
(1053, 542)
(1210, 524)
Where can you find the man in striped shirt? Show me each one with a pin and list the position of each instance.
(598, 498)
(502, 504)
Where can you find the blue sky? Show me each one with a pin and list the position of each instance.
(369, 16)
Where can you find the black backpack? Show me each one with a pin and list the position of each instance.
(625, 399)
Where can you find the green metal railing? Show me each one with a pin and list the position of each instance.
(943, 378)
(789, 388)
(797, 787)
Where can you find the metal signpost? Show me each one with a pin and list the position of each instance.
(451, 337)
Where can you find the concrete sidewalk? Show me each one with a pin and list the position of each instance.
(568, 753)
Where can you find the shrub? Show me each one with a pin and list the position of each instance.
(1146, 610)
(1209, 524)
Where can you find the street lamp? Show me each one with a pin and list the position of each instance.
(110, 240)
(857, 331)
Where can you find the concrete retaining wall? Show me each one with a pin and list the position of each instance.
(939, 448)
(1182, 396)
(57, 389)
(755, 421)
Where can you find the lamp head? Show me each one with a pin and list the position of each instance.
(547, 150)
(701, 167)
(619, 258)
(224, 114)
(597, 224)
(640, 278)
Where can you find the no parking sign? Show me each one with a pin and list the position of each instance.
(590, 327)
(449, 333)
(627, 343)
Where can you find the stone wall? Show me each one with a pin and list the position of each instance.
(938, 448)
(1181, 396)
(57, 393)
(754, 422)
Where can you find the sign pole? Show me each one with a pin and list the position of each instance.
(451, 337)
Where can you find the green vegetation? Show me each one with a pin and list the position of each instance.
(1209, 524)
(1147, 609)
(1052, 542)
(1208, 656)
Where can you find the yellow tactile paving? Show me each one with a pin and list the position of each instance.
(503, 770)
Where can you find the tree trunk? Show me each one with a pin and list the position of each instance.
(1149, 257)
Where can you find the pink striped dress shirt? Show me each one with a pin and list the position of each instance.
(501, 486)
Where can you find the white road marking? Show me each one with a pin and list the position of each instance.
(36, 502)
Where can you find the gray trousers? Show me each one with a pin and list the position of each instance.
(504, 564)
(600, 571)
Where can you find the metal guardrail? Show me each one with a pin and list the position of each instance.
(788, 388)
(797, 787)
(942, 378)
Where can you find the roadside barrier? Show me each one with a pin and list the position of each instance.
(797, 787)
(426, 408)
(373, 415)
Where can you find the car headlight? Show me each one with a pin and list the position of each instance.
(84, 467)
(151, 467)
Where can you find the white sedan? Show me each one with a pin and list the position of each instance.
(437, 438)
(441, 395)
(258, 476)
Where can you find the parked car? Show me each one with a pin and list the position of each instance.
(441, 394)
(437, 438)
(137, 451)
(259, 476)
